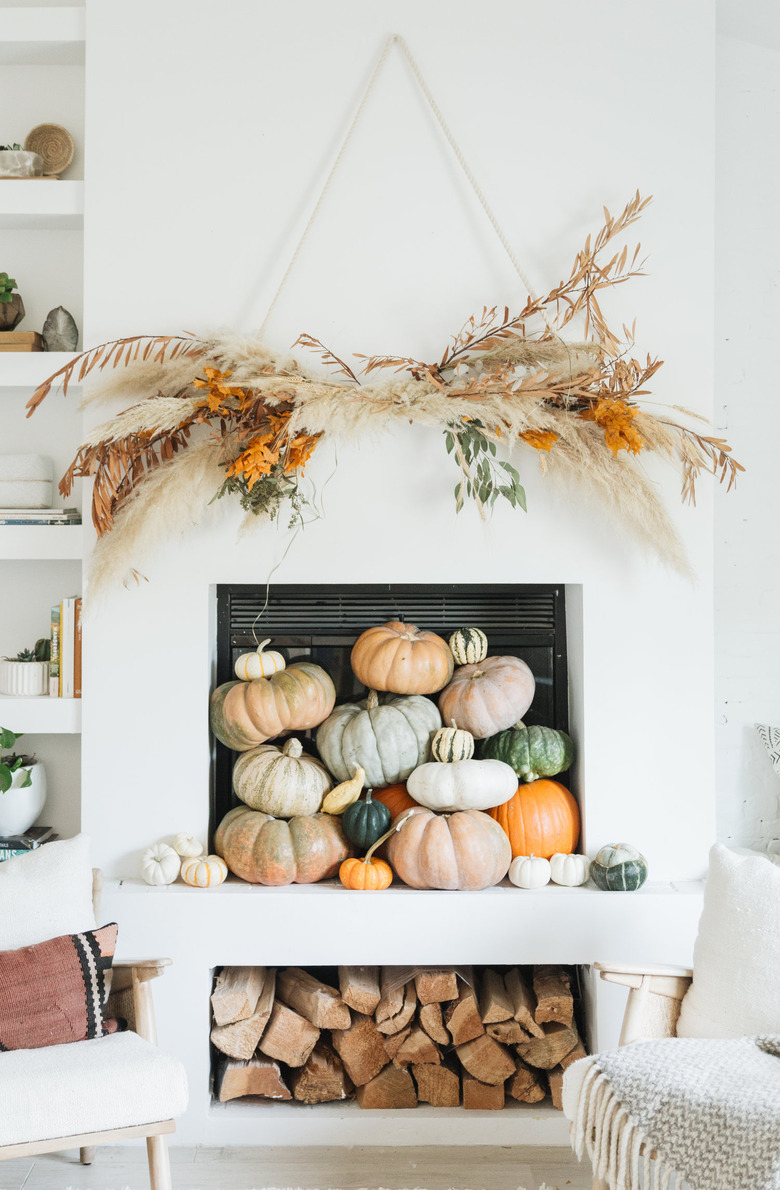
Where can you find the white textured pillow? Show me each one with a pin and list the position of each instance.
(736, 959)
(46, 893)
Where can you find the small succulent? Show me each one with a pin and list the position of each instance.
(42, 648)
(7, 284)
(10, 148)
(9, 765)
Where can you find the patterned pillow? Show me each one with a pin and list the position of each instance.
(56, 991)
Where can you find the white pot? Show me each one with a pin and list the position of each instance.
(20, 163)
(24, 679)
(20, 807)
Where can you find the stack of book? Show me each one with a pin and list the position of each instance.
(21, 844)
(40, 516)
(65, 660)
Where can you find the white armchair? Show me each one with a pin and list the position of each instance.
(89, 1093)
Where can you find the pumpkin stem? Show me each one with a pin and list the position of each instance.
(372, 702)
(386, 836)
(263, 643)
(454, 724)
(293, 748)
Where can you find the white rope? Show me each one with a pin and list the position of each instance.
(396, 39)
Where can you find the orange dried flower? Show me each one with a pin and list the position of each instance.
(616, 419)
(540, 439)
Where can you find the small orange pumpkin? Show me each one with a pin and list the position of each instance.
(541, 819)
(402, 659)
(367, 874)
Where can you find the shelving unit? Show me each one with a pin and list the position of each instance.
(46, 542)
(42, 716)
(41, 204)
(42, 36)
(22, 369)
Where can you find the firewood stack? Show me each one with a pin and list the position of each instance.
(393, 1039)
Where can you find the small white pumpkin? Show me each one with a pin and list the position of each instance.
(452, 743)
(529, 871)
(259, 664)
(187, 846)
(569, 870)
(160, 864)
(204, 871)
(462, 785)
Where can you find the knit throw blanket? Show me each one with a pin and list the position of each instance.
(708, 1110)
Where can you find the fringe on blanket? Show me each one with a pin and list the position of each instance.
(614, 1141)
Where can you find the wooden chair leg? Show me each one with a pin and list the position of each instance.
(87, 1155)
(159, 1163)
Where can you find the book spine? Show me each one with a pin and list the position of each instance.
(66, 649)
(77, 649)
(54, 662)
(11, 853)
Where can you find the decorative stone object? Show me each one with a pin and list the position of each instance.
(60, 332)
(19, 163)
(11, 313)
(25, 481)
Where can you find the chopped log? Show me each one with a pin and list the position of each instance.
(320, 1004)
(575, 1054)
(395, 1040)
(258, 1076)
(392, 999)
(239, 1039)
(236, 993)
(507, 1032)
(391, 1088)
(418, 1049)
(437, 1085)
(462, 1017)
(360, 988)
(322, 1078)
(361, 1049)
(554, 1001)
(526, 1084)
(431, 1020)
(486, 1060)
(288, 1036)
(556, 1086)
(546, 1052)
(479, 1096)
(495, 1003)
(401, 1019)
(435, 984)
(523, 1002)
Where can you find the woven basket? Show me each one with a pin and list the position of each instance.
(54, 144)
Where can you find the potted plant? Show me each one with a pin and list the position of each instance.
(11, 304)
(27, 674)
(16, 162)
(22, 787)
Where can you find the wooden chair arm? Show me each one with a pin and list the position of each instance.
(654, 998)
(661, 981)
(144, 970)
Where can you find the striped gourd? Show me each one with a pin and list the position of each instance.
(204, 871)
(450, 744)
(259, 664)
(619, 868)
(283, 782)
(468, 646)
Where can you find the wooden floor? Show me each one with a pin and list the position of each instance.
(468, 1168)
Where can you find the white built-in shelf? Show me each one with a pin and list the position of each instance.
(41, 716)
(38, 204)
(40, 542)
(41, 36)
(27, 369)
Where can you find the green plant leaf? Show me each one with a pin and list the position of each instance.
(28, 779)
(5, 778)
(8, 738)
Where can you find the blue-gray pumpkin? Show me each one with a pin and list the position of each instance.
(619, 867)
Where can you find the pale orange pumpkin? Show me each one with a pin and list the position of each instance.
(402, 659)
(245, 714)
(541, 819)
(272, 851)
(488, 697)
(466, 850)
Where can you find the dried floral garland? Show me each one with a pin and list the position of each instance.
(225, 416)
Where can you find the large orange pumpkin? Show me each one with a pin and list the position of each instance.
(541, 819)
(266, 850)
(466, 850)
(395, 797)
(245, 714)
(488, 697)
(401, 659)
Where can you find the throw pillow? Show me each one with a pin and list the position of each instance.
(46, 893)
(736, 959)
(56, 991)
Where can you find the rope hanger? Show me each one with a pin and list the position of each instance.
(396, 39)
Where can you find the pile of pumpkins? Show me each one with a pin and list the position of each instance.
(444, 818)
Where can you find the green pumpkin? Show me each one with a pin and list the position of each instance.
(365, 821)
(619, 868)
(533, 752)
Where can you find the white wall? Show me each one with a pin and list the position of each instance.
(747, 552)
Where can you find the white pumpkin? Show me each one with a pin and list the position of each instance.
(259, 664)
(462, 785)
(187, 845)
(160, 864)
(529, 871)
(282, 782)
(204, 871)
(570, 870)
